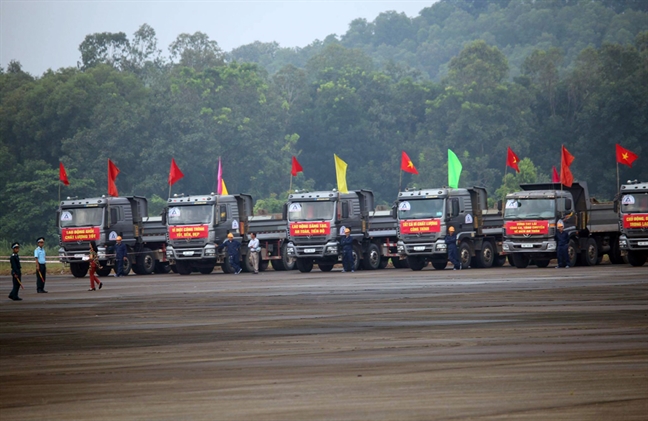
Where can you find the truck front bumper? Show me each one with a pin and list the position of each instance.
(191, 253)
(633, 244)
(511, 246)
(315, 251)
(421, 249)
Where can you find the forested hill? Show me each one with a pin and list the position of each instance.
(585, 86)
(430, 40)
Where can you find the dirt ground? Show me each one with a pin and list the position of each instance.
(506, 343)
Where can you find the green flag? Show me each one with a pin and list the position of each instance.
(454, 170)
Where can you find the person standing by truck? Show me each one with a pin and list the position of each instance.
(253, 247)
(94, 264)
(16, 272)
(233, 252)
(41, 269)
(451, 244)
(347, 251)
(121, 254)
(562, 245)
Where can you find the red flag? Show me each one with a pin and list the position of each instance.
(295, 167)
(625, 156)
(555, 178)
(112, 176)
(566, 160)
(512, 160)
(174, 173)
(407, 165)
(63, 174)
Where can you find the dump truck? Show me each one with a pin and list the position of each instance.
(531, 215)
(102, 219)
(425, 215)
(316, 221)
(198, 224)
(633, 222)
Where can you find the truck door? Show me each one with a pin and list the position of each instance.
(121, 223)
(453, 212)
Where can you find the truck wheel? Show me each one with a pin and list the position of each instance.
(416, 262)
(173, 268)
(104, 271)
(126, 268)
(80, 269)
(325, 267)
(372, 258)
(162, 267)
(589, 256)
(263, 265)
(399, 263)
(226, 267)
(384, 261)
(485, 256)
(542, 263)
(285, 263)
(183, 267)
(356, 257)
(499, 261)
(206, 270)
(246, 264)
(572, 255)
(145, 262)
(439, 264)
(636, 258)
(520, 260)
(464, 255)
(509, 257)
(615, 253)
(304, 265)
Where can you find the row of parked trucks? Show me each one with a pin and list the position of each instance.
(522, 228)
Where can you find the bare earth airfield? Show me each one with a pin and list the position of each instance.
(393, 344)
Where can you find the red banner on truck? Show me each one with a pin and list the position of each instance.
(79, 234)
(298, 229)
(635, 221)
(420, 226)
(186, 232)
(526, 227)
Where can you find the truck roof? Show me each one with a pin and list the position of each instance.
(322, 195)
(431, 193)
(98, 201)
(202, 199)
(639, 187)
(578, 190)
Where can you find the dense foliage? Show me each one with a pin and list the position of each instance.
(584, 86)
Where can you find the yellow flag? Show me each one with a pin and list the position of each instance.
(224, 190)
(340, 174)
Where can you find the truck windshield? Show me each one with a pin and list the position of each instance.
(191, 214)
(530, 209)
(632, 203)
(311, 211)
(422, 208)
(82, 217)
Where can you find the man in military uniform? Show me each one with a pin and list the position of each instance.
(16, 273)
(41, 269)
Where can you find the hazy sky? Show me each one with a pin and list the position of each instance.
(44, 34)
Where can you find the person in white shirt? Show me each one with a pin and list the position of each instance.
(253, 247)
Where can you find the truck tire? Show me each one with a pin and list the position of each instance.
(372, 257)
(384, 261)
(485, 257)
(499, 261)
(104, 271)
(356, 257)
(128, 265)
(589, 256)
(325, 267)
(285, 263)
(145, 264)
(520, 260)
(206, 270)
(162, 267)
(79, 269)
(263, 265)
(399, 263)
(542, 263)
(304, 265)
(636, 258)
(246, 264)
(615, 253)
(416, 263)
(226, 267)
(464, 255)
(439, 264)
(173, 268)
(183, 267)
(572, 255)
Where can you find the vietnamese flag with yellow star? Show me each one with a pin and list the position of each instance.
(407, 165)
(625, 156)
(512, 160)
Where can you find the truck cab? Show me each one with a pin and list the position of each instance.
(198, 224)
(633, 222)
(316, 220)
(425, 215)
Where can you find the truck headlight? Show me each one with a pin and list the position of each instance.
(101, 253)
(210, 251)
(169, 252)
(441, 246)
(623, 243)
(290, 251)
(505, 246)
(332, 250)
(551, 246)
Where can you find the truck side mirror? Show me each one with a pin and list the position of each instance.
(499, 205)
(165, 213)
(394, 211)
(616, 206)
(284, 212)
(568, 204)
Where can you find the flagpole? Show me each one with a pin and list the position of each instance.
(400, 181)
(290, 188)
(618, 181)
(60, 183)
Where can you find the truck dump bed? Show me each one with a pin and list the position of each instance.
(603, 218)
(381, 224)
(153, 230)
(268, 227)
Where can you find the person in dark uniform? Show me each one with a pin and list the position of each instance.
(347, 251)
(16, 272)
(41, 269)
(562, 245)
(451, 244)
(121, 254)
(233, 252)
